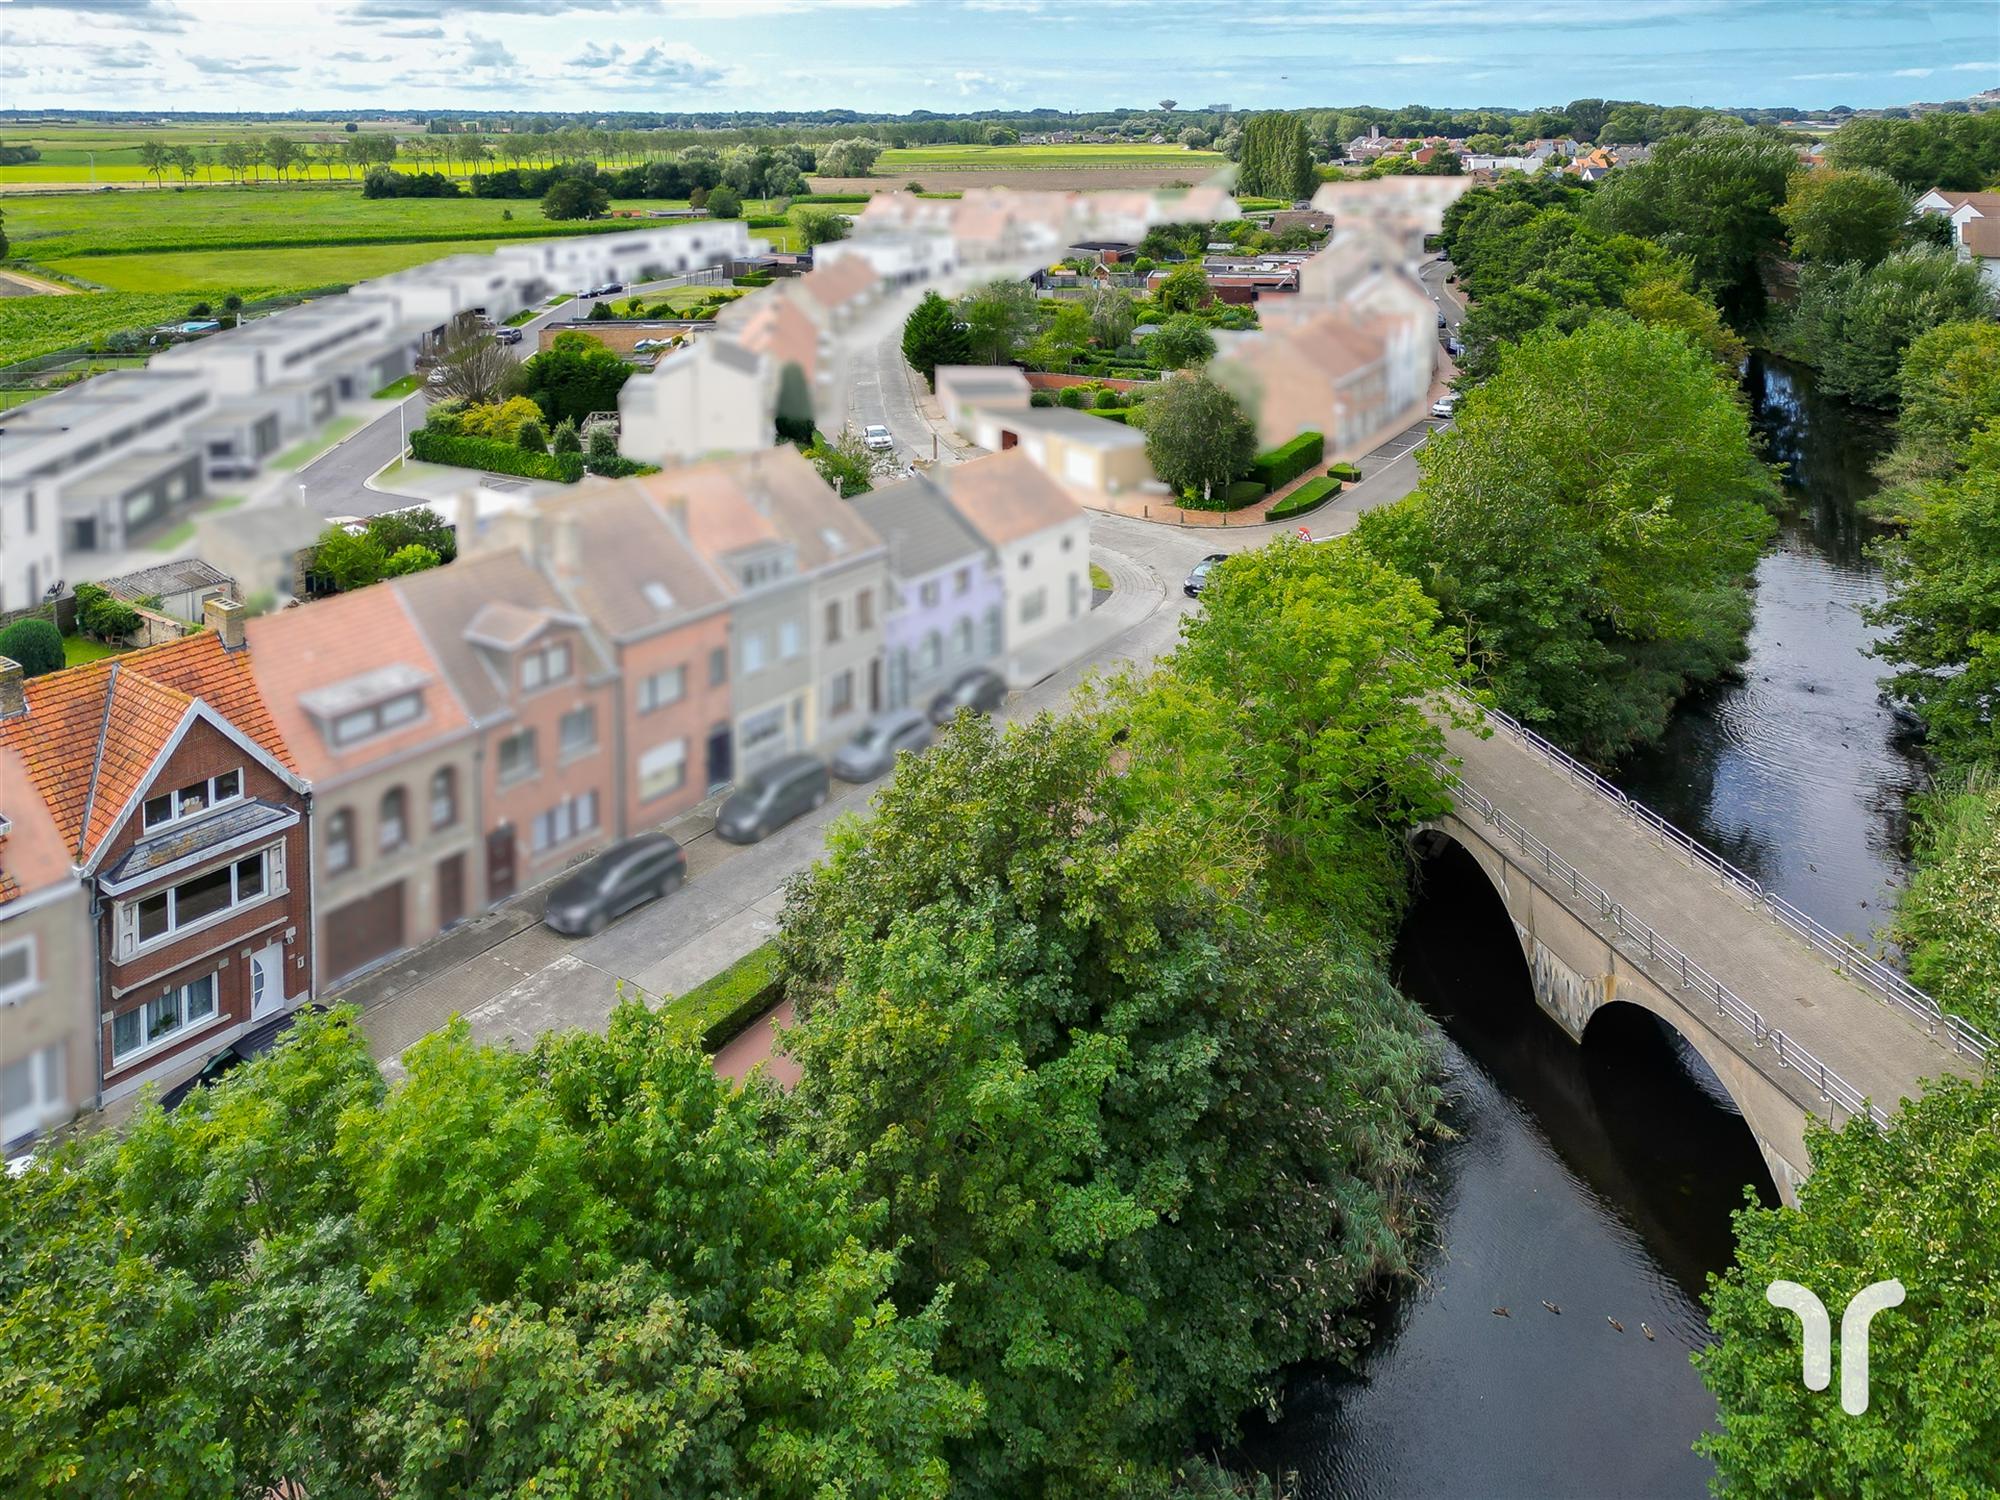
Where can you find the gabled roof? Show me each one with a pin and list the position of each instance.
(93, 735)
(636, 574)
(924, 532)
(839, 282)
(33, 856)
(1007, 496)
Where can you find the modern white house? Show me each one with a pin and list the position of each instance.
(713, 396)
(1040, 537)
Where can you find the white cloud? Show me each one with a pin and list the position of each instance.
(1913, 72)
(657, 64)
(1976, 67)
(971, 80)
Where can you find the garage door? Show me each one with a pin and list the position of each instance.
(357, 934)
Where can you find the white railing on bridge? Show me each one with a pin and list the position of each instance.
(1848, 959)
(1832, 1087)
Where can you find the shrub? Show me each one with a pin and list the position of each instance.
(98, 614)
(1281, 465)
(752, 279)
(1345, 472)
(718, 1009)
(564, 464)
(565, 439)
(1041, 398)
(1122, 416)
(1108, 399)
(600, 312)
(411, 559)
(1241, 492)
(1309, 496)
(35, 643)
(532, 437)
(602, 448)
(1076, 397)
(500, 420)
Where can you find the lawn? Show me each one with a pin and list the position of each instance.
(211, 273)
(901, 162)
(19, 396)
(396, 389)
(77, 650)
(300, 454)
(1099, 579)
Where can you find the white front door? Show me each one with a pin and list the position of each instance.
(267, 981)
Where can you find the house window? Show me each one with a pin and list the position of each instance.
(961, 636)
(444, 797)
(961, 581)
(570, 818)
(930, 594)
(718, 666)
(864, 610)
(391, 713)
(662, 688)
(32, 1092)
(1069, 544)
(753, 652)
(393, 828)
(832, 621)
(791, 639)
(545, 665)
(760, 729)
(931, 652)
(1034, 606)
(993, 629)
(156, 1021)
(662, 769)
(1027, 559)
(579, 732)
(517, 757)
(17, 971)
(340, 842)
(200, 898)
(195, 798)
(840, 694)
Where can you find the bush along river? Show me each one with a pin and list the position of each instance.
(1599, 1179)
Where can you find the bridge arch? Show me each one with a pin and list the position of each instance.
(1575, 972)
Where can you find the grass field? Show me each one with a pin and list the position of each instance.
(32, 326)
(914, 159)
(211, 273)
(77, 651)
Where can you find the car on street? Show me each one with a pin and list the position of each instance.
(1445, 405)
(1454, 347)
(980, 689)
(1197, 578)
(875, 436)
(769, 798)
(1441, 319)
(628, 874)
(873, 749)
(507, 335)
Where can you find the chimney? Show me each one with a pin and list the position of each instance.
(13, 694)
(225, 618)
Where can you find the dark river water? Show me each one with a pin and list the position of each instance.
(1601, 1178)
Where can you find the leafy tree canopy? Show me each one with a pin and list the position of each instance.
(1197, 437)
(1844, 213)
(1854, 322)
(932, 336)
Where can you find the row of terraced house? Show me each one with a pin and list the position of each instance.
(198, 837)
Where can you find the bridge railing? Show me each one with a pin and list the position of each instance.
(1848, 959)
(1658, 951)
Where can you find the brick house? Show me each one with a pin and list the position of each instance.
(542, 691)
(392, 756)
(186, 818)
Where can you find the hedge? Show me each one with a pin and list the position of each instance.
(767, 221)
(1286, 462)
(497, 457)
(1243, 492)
(1309, 496)
(35, 644)
(719, 1009)
(1121, 415)
(753, 279)
(1344, 471)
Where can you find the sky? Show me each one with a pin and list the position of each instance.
(954, 55)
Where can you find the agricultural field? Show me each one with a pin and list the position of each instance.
(902, 162)
(32, 326)
(257, 273)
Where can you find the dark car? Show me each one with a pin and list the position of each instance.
(252, 1044)
(769, 798)
(1198, 578)
(612, 883)
(873, 749)
(978, 688)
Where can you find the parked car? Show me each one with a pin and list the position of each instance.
(1197, 578)
(873, 749)
(629, 873)
(876, 437)
(610, 287)
(1454, 347)
(978, 688)
(507, 335)
(1445, 405)
(772, 797)
(1441, 319)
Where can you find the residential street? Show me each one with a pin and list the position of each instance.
(513, 979)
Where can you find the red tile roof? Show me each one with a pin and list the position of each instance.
(92, 734)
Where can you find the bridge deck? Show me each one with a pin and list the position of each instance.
(1880, 1049)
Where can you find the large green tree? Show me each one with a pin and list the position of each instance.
(1197, 437)
(1844, 213)
(932, 336)
(1912, 1203)
(1149, 1142)
(1853, 322)
(1591, 519)
(593, 1269)
(574, 377)
(997, 317)
(1276, 158)
(1948, 917)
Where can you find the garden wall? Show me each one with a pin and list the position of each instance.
(1039, 381)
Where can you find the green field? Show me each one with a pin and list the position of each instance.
(900, 162)
(212, 273)
(31, 326)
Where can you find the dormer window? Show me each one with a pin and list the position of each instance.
(544, 665)
(377, 718)
(192, 800)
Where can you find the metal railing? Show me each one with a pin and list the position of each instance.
(1642, 942)
(1847, 959)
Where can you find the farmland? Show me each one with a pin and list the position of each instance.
(914, 159)
(31, 326)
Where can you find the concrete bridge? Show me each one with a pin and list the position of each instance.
(1615, 906)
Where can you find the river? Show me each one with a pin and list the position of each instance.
(1600, 1179)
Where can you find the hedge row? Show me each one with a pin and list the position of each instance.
(1344, 471)
(497, 457)
(751, 280)
(1309, 496)
(830, 197)
(1121, 415)
(718, 1009)
(1286, 462)
(768, 221)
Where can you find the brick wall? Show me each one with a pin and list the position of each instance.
(1039, 381)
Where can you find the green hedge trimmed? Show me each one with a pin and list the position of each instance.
(1121, 415)
(831, 197)
(1281, 465)
(767, 221)
(498, 457)
(1245, 492)
(1344, 471)
(1309, 496)
(718, 1009)
(754, 279)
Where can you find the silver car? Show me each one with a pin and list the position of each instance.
(873, 749)
(876, 438)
